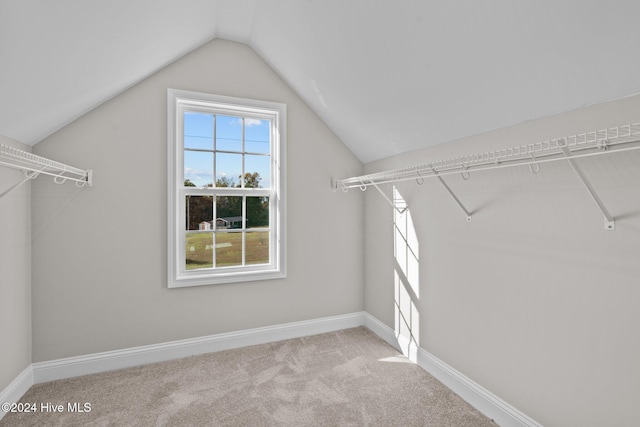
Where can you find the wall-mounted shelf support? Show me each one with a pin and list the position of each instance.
(444, 184)
(594, 143)
(399, 210)
(609, 222)
(393, 205)
(363, 187)
(33, 165)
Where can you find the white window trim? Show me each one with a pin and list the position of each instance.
(177, 275)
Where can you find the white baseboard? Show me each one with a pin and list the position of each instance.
(136, 356)
(382, 330)
(486, 402)
(18, 387)
(482, 399)
(399, 342)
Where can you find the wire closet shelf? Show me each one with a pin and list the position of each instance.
(621, 138)
(33, 165)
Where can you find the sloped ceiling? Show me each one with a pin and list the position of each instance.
(386, 76)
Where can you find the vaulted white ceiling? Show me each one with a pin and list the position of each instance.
(387, 76)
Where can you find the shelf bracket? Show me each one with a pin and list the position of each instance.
(444, 184)
(400, 211)
(609, 222)
(28, 177)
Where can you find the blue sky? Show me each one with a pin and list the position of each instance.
(198, 133)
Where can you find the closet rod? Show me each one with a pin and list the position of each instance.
(621, 138)
(33, 165)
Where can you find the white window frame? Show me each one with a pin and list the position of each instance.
(180, 101)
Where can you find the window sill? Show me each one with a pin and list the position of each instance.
(222, 278)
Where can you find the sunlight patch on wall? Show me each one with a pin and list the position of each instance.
(406, 277)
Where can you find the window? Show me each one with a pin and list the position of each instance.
(226, 189)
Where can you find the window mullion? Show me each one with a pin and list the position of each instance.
(244, 229)
(244, 197)
(214, 221)
(242, 183)
(215, 152)
(215, 230)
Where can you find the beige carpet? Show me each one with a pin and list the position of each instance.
(344, 378)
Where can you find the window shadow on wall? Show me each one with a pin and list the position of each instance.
(406, 278)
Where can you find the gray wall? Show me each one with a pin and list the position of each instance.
(99, 254)
(533, 299)
(15, 273)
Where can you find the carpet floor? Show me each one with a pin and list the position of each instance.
(344, 378)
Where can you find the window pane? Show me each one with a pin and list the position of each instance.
(228, 212)
(257, 136)
(199, 212)
(228, 169)
(229, 133)
(198, 130)
(257, 251)
(260, 165)
(198, 168)
(257, 212)
(199, 250)
(228, 249)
